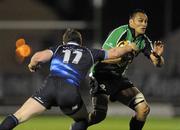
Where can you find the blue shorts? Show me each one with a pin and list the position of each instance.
(57, 92)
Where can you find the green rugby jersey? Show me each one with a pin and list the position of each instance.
(123, 33)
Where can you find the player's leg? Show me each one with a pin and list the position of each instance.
(72, 105)
(99, 101)
(100, 107)
(28, 109)
(38, 103)
(133, 98)
(79, 125)
(80, 119)
(79, 114)
(83, 119)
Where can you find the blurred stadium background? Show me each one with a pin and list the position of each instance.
(42, 22)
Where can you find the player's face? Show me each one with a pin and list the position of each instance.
(139, 23)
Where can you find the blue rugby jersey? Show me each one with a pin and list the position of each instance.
(72, 62)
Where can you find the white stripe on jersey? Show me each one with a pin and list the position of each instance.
(57, 49)
(152, 48)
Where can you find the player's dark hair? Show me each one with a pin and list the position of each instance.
(134, 12)
(72, 35)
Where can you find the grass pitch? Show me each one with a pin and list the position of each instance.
(111, 123)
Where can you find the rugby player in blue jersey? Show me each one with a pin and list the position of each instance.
(69, 64)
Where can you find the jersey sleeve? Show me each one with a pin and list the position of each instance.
(148, 49)
(54, 48)
(99, 55)
(114, 37)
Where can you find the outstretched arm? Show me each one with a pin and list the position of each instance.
(115, 54)
(156, 55)
(39, 57)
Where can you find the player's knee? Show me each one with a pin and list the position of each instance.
(100, 104)
(96, 117)
(100, 101)
(146, 109)
(80, 125)
(140, 105)
(143, 109)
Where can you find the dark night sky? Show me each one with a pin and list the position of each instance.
(116, 12)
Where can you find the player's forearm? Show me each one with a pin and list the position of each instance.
(33, 63)
(35, 59)
(112, 61)
(41, 57)
(119, 51)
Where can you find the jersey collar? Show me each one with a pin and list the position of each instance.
(133, 32)
(72, 43)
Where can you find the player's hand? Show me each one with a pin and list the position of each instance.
(34, 68)
(158, 47)
(133, 46)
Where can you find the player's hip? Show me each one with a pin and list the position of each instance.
(114, 84)
(56, 92)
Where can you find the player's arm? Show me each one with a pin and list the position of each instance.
(115, 54)
(156, 55)
(39, 57)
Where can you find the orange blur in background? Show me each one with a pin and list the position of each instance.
(23, 50)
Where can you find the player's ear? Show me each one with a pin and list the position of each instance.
(130, 21)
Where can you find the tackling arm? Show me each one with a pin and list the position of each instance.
(115, 54)
(39, 57)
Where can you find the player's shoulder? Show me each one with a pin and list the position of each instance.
(122, 27)
(54, 48)
(118, 31)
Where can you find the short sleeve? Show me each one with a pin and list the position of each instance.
(98, 54)
(114, 37)
(54, 48)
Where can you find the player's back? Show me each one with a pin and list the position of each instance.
(72, 62)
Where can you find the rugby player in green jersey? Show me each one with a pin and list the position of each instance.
(111, 77)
